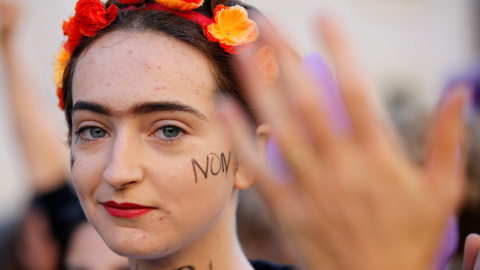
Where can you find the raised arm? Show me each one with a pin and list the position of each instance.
(40, 138)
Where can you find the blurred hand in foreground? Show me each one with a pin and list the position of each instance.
(352, 199)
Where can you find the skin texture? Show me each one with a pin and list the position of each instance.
(356, 201)
(191, 224)
(87, 251)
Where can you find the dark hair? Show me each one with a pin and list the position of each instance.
(170, 25)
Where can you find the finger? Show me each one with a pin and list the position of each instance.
(318, 70)
(471, 261)
(361, 101)
(271, 105)
(446, 157)
(245, 146)
(301, 90)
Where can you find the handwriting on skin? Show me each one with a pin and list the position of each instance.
(214, 165)
(72, 161)
(72, 156)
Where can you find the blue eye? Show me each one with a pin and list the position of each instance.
(90, 134)
(97, 133)
(171, 131)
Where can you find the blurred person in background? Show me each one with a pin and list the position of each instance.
(53, 232)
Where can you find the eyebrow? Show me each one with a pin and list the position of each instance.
(138, 109)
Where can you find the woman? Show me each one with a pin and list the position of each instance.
(158, 176)
(169, 201)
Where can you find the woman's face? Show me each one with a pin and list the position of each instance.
(151, 163)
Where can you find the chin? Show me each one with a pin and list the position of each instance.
(143, 253)
(134, 244)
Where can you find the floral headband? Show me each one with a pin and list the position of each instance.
(230, 27)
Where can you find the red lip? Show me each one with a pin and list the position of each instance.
(126, 210)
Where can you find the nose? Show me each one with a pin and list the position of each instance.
(124, 165)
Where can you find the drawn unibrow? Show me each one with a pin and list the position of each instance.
(138, 109)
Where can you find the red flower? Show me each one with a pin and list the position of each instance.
(61, 104)
(130, 2)
(71, 30)
(66, 26)
(91, 16)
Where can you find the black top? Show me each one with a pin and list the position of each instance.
(264, 265)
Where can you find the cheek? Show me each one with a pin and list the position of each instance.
(87, 175)
(199, 181)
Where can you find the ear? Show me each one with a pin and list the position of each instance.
(243, 176)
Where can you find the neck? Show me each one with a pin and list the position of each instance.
(216, 248)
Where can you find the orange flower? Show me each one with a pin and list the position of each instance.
(62, 58)
(231, 27)
(267, 62)
(91, 16)
(181, 5)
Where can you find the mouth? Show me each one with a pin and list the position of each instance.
(126, 210)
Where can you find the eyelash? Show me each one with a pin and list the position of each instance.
(181, 130)
(78, 133)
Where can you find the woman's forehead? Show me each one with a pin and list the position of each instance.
(123, 68)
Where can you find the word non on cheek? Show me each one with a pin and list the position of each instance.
(214, 165)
